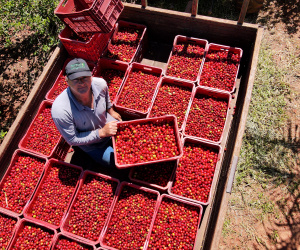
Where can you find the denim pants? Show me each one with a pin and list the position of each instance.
(104, 155)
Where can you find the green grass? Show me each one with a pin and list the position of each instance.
(265, 154)
(36, 15)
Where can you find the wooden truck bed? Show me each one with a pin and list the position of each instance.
(162, 26)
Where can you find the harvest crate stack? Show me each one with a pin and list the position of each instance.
(168, 148)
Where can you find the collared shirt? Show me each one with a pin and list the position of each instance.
(79, 124)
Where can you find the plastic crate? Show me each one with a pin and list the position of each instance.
(191, 173)
(205, 93)
(83, 17)
(51, 163)
(158, 120)
(24, 223)
(89, 50)
(60, 83)
(181, 70)
(105, 65)
(13, 224)
(153, 173)
(137, 46)
(232, 79)
(134, 205)
(185, 226)
(68, 217)
(61, 236)
(25, 177)
(59, 148)
(129, 111)
(179, 83)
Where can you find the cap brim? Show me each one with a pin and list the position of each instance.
(79, 74)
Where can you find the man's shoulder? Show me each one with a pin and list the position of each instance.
(61, 103)
(99, 82)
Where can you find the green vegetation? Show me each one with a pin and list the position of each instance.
(265, 156)
(34, 17)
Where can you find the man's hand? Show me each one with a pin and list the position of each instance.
(114, 114)
(109, 129)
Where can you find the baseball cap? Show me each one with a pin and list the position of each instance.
(77, 68)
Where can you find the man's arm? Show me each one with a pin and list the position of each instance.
(67, 129)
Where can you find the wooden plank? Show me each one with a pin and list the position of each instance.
(194, 7)
(243, 12)
(144, 3)
(215, 30)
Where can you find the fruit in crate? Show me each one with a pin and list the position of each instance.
(220, 70)
(175, 226)
(122, 52)
(124, 44)
(60, 85)
(52, 198)
(66, 244)
(43, 135)
(33, 237)
(138, 90)
(185, 61)
(7, 225)
(195, 172)
(90, 210)
(81, 37)
(20, 183)
(145, 142)
(114, 79)
(155, 174)
(206, 118)
(131, 219)
(171, 100)
(127, 35)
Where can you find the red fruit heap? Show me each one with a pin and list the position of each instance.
(59, 86)
(7, 225)
(127, 35)
(67, 244)
(55, 193)
(33, 237)
(157, 173)
(138, 91)
(131, 219)
(84, 37)
(43, 135)
(171, 100)
(20, 182)
(220, 69)
(124, 44)
(185, 61)
(91, 208)
(114, 79)
(148, 141)
(195, 172)
(175, 226)
(122, 52)
(206, 118)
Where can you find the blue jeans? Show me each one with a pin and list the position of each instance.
(103, 156)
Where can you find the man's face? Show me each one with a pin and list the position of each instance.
(80, 85)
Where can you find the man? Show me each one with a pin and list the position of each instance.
(83, 113)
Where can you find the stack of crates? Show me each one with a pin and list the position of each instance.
(89, 26)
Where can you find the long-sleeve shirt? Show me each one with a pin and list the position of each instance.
(79, 124)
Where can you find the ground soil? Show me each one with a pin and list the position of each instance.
(247, 229)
